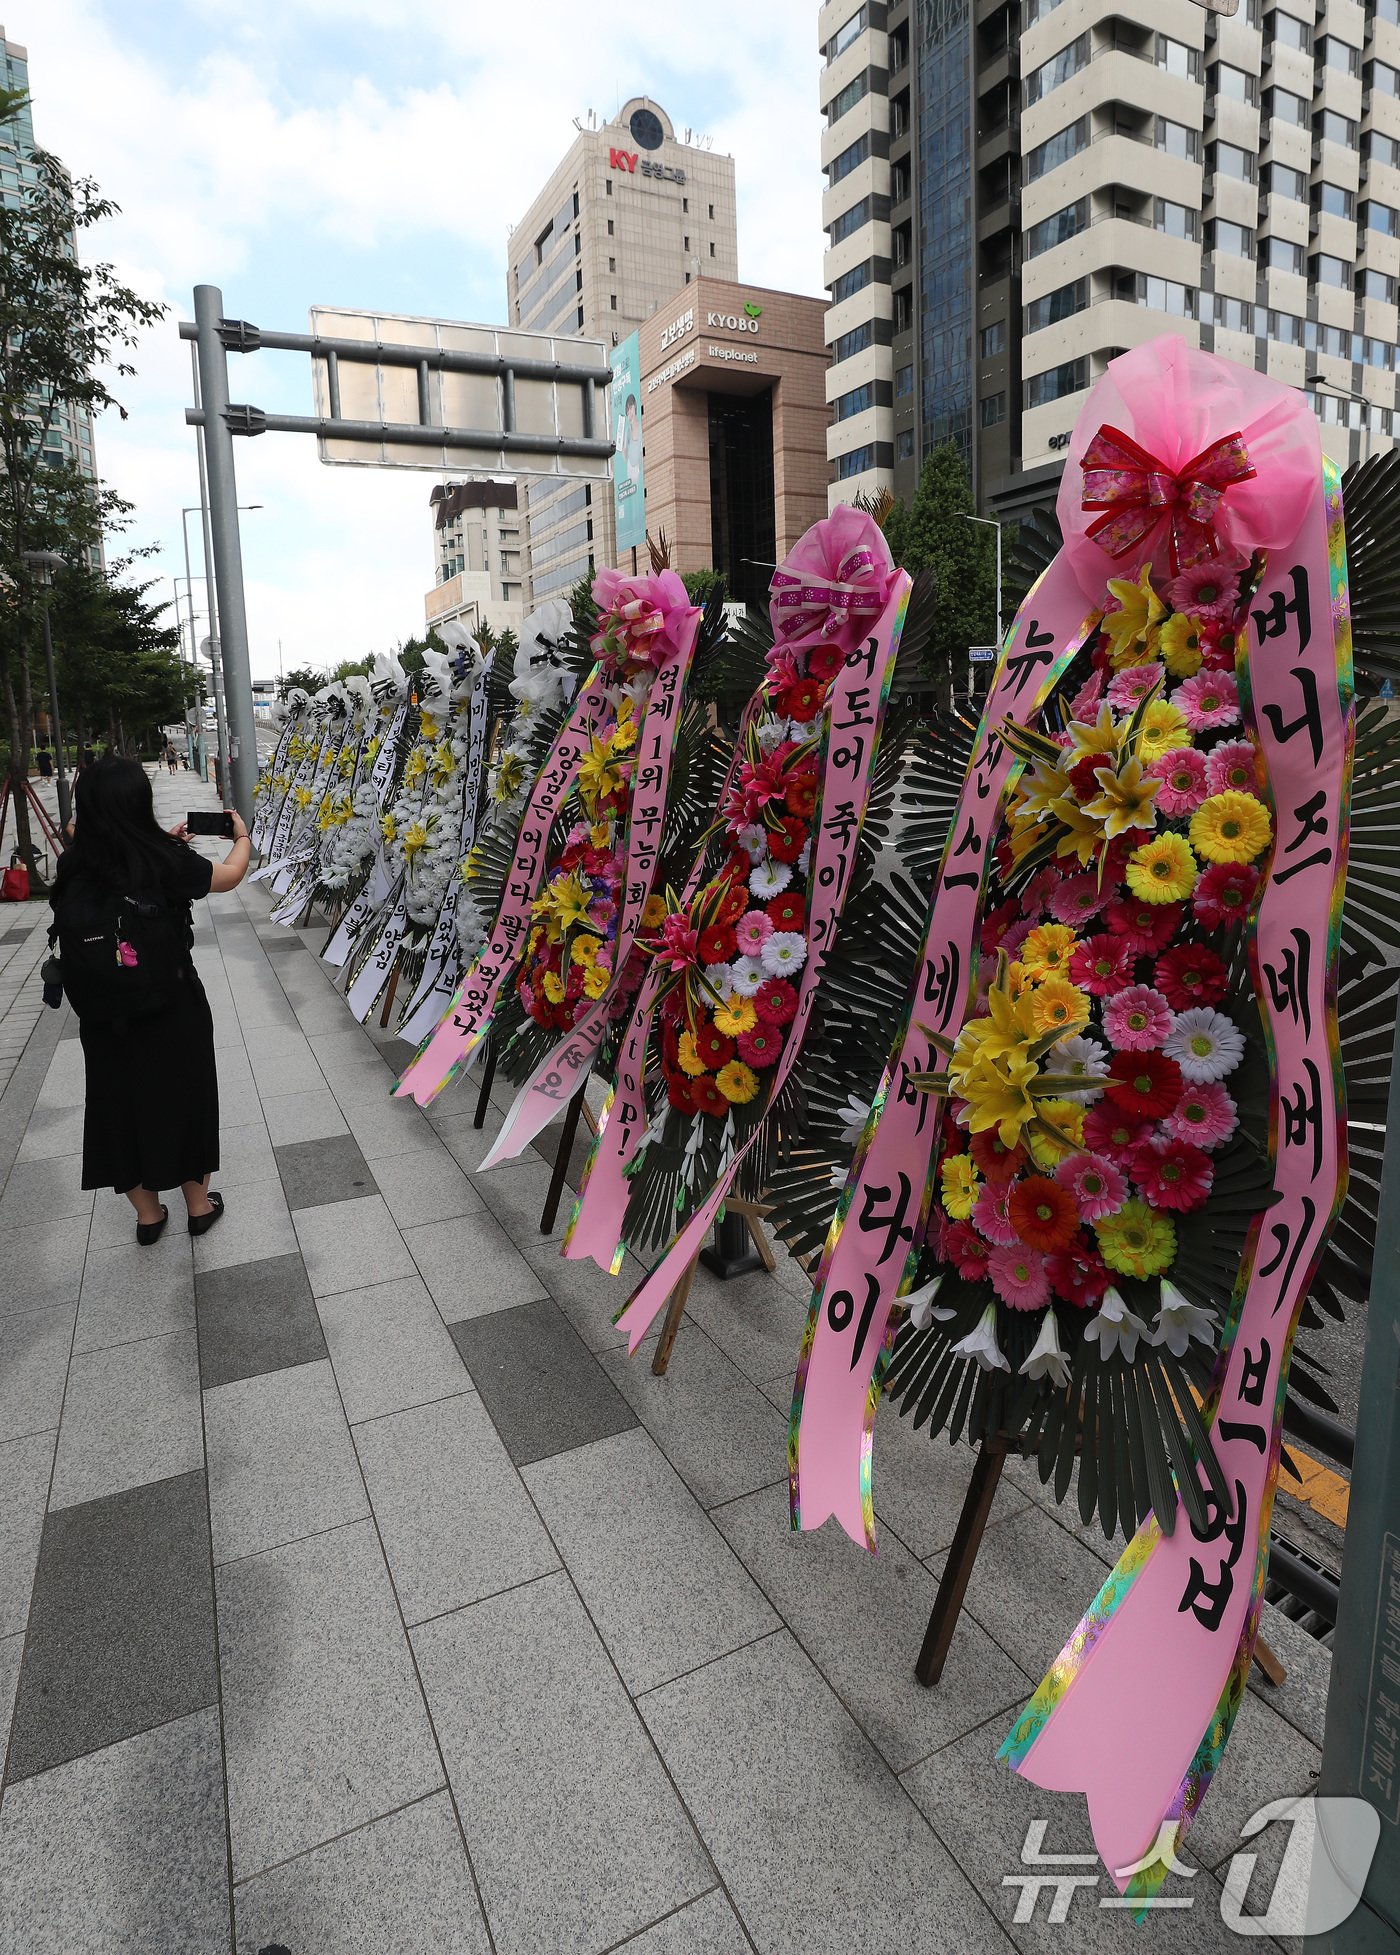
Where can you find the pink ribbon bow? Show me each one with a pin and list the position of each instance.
(1136, 493)
(837, 576)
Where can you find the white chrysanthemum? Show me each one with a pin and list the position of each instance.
(1086, 1059)
(784, 953)
(746, 975)
(1205, 1044)
(769, 879)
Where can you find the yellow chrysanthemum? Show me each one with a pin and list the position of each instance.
(596, 980)
(1067, 1119)
(534, 937)
(737, 1082)
(1047, 950)
(388, 828)
(302, 796)
(1162, 870)
(1161, 730)
(1017, 981)
(1231, 827)
(653, 912)
(624, 736)
(690, 1059)
(428, 728)
(1139, 609)
(583, 950)
(553, 987)
(1059, 1006)
(1179, 642)
(738, 1015)
(959, 1178)
(1137, 1241)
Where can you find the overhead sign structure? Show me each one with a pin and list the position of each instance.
(629, 492)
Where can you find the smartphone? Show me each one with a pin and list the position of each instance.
(203, 821)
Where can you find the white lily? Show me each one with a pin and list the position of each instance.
(920, 1305)
(853, 1116)
(1113, 1324)
(1046, 1358)
(981, 1343)
(1179, 1320)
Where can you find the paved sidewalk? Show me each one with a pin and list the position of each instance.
(359, 1593)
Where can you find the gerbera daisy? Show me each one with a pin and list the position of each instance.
(752, 930)
(1138, 1019)
(788, 911)
(681, 1093)
(1018, 1277)
(1233, 765)
(1074, 899)
(1209, 700)
(760, 1045)
(1182, 772)
(1162, 870)
(1086, 1060)
(1037, 892)
(687, 1058)
(801, 794)
(1045, 1214)
(996, 923)
(991, 1213)
(1102, 963)
(1136, 1241)
(1077, 1275)
(1190, 974)
(1112, 1131)
(713, 1046)
(1163, 730)
(1224, 893)
(1208, 591)
(1047, 950)
(736, 1015)
(1174, 1176)
(995, 1160)
(1231, 827)
(784, 953)
(1179, 642)
(1066, 1120)
(1144, 1084)
(1205, 1044)
(959, 1179)
(1096, 1185)
(1205, 1115)
(787, 838)
(775, 1002)
(737, 1082)
(706, 1096)
(746, 976)
(1085, 703)
(966, 1251)
(1057, 1005)
(769, 879)
(1146, 926)
(1128, 688)
(717, 944)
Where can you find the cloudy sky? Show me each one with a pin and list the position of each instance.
(370, 154)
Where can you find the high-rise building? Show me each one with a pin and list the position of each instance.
(69, 434)
(479, 546)
(632, 213)
(1018, 192)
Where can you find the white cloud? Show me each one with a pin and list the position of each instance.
(261, 152)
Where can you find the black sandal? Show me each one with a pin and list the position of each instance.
(201, 1224)
(149, 1232)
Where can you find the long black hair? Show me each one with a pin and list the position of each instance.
(116, 838)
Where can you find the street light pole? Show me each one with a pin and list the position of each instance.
(988, 523)
(189, 666)
(1313, 382)
(215, 660)
(44, 563)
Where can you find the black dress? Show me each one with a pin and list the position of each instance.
(152, 1114)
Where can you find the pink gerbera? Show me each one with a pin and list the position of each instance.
(1018, 1277)
(1013, 938)
(1209, 700)
(1109, 1131)
(965, 1250)
(1095, 1183)
(1183, 775)
(1146, 926)
(1204, 1115)
(1101, 964)
(1038, 892)
(1138, 1019)
(1076, 898)
(1224, 893)
(1232, 766)
(752, 930)
(1131, 686)
(1209, 592)
(1085, 704)
(1173, 1175)
(990, 1213)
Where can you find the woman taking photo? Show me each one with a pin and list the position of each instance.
(121, 903)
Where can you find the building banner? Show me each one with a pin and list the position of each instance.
(629, 495)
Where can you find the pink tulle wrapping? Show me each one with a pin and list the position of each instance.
(835, 579)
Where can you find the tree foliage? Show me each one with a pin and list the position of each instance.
(931, 533)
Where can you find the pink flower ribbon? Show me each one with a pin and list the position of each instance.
(1136, 492)
(834, 579)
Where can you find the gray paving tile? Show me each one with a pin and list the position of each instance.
(286, 1071)
(239, 1103)
(381, 1125)
(323, 1719)
(34, 1346)
(351, 1045)
(65, 1082)
(589, 1297)
(281, 1462)
(124, 1849)
(544, 1390)
(664, 1590)
(1266, 1759)
(316, 1172)
(130, 1292)
(52, 1130)
(303, 1116)
(255, 1317)
(425, 1186)
(131, 1415)
(543, 1744)
(517, 1200)
(113, 1222)
(754, 1320)
(708, 1926)
(398, 1887)
(256, 1225)
(44, 1191)
(450, 1117)
(390, 1348)
(121, 1632)
(861, 1618)
(361, 1079)
(348, 1243)
(245, 1156)
(282, 943)
(1302, 1696)
(11, 1650)
(277, 1041)
(719, 1431)
(24, 1491)
(775, 1772)
(471, 1266)
(42, 1266)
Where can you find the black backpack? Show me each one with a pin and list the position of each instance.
(120, 957)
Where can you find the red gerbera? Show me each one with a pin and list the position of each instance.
(1146, 1084)
(803, 701)
(761, 1046)
(996, 1162)
(1224, 893)
(1190, 974)
(1110, 1130)
(1043, 1213)
(680, 1091)
(775, 1001)
(1177, 1176)
(733, 904)
(785, 840)
(1147, 926)
(1004, 859)
(966, 1251)
(1078, 1275)
(707, 1096)
(801, 796)
(1102, 964)
(715, 1049)
(997, 922)
(824, 662)
(788, 911)
(717, 944)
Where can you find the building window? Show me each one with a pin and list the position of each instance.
(1175, 220)
(993, 340)
(1231, 240)
(1058, 229)
(849, 221)
(1380, 217)
(1234, 85)
(849, 159)
(1285, 328)
(1335, 341)
(1236, 315)
(904, 445)
(903, 381)
(712, 247)
(1382, 79)
(610, 227)
(1334, 128)
(685, 203)
(612, 264)
(1376, 285)
(1380, 353)
(1282, 180)
(1161, 294)
(685, 243)
(853, 342)
(856, 402)
(1055, 306)
(1057, 70)
(1069, 378)
(1057, 149)
(1281, 255)
(1327, 270)
(904, 311)
(1175, 139)
(1286, 107)
(1229, 160)
(992, 410)
(612, 302)
(846, 98)
(856, 462)
(1175, 58)
(1334, 53)
(1382, 149)
(846, 36)
(1336, 202)
(1290, 33)
(853, 281)
(607, 186)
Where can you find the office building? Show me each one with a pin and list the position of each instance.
(1016, 193)
(632, 213)
(479, 549)
(734, 416)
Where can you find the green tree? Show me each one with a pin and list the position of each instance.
(118, 666)
(931, 534)
(306, 677)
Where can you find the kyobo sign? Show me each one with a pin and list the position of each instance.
(735, 322)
